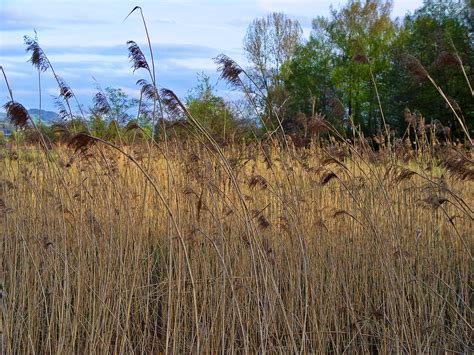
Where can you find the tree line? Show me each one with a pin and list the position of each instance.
(363, 71)
(360, 73)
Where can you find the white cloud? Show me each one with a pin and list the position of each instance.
(299, 7)
(197, 64)
(271, 4)
(87, 38)
(321, 7)
(401, 7)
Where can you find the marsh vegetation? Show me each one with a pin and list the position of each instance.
(327, 222)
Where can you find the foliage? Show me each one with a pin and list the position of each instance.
(268, 44)
(332, 73)
(210, 110)
(114, 104)
(98, 125)
(438, 36)
(360, 52)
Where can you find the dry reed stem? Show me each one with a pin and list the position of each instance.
(95, 273)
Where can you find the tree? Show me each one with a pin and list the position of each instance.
(309, 83)
(98, 126)
(269, 43)
(339, 72)
(377, 67)
(211, 110)
(362, 35)
(438, 36)
(113, 105)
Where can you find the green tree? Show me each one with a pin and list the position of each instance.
(438, 35)
(340, 70)
(113, 105)
(362, 35)
(211, 110)
(111, 110)
(120, 104)
(98, 126)
(268, 44)
(309, 83)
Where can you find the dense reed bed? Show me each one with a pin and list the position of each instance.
(242, 249)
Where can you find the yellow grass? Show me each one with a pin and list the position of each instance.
(238, 255)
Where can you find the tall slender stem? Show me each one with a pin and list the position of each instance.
(6, 82)
(40, 99)
(387, 132)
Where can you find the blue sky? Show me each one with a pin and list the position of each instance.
(85, 40)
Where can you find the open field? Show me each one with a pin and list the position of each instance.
(313, 193)
(238, 249)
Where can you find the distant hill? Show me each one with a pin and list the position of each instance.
(47, 117)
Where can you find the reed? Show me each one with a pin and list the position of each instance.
(326, 250)
(191, 246)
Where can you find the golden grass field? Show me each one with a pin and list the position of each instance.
(243, 249)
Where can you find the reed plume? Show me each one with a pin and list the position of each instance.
(229, 69)
(17, 114)
(38, 58)
(101, 104)
(148, 90)
(137, 58)
(173, 103)
(81, 142)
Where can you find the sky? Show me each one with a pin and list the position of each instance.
(86, 41)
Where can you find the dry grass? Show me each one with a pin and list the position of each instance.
(304, 251)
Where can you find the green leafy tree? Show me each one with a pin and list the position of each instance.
(438, 36)
(362, 35)
(339, 72)
(111, 110)
(98, 126)
(120, 105)
(309, 83)
(113, 131)
(269, 43)
(113, 105)
(211, 110)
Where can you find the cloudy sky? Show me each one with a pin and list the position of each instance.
(85, 40)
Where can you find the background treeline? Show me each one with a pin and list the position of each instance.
(361, 64)
(361, 72)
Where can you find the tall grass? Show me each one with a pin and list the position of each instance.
(189, 246)
(285, 250)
